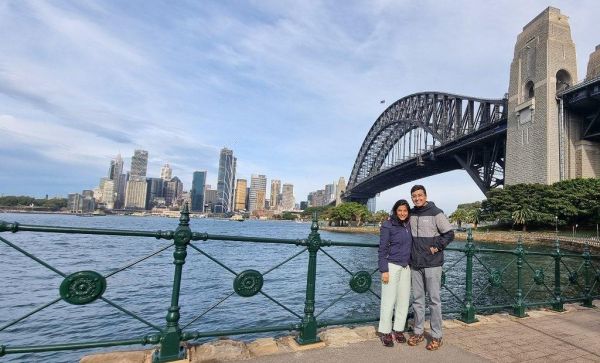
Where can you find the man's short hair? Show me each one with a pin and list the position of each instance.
(418, 187)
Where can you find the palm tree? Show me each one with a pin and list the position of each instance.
(523, 215)
(474, 216)
(459, 216)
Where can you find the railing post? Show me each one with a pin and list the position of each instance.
(308, 332)
(170, 342)
(587, 269)
(558, 300)
(519, 307)
(468, 313)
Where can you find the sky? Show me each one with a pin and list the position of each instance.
(292, 87)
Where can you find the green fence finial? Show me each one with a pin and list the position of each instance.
(184, 218)
(315, 222)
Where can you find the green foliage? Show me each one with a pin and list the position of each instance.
(289, 216)
(575, 201)
(348, 212)
(21, 201)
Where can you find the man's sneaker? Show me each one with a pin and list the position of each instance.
(387, 340)
(415, 339)
(399, 337)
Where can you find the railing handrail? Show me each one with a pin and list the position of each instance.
(250, 283)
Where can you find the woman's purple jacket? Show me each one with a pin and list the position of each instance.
(395, 242)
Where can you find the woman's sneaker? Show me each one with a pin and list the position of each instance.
(387, 339)
(399, 337)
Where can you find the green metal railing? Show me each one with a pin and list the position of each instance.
(85, 287)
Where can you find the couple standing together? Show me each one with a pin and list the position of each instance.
(411, 252)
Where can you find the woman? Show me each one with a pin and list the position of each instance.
(395, 242)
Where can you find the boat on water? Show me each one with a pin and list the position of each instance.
(236, 218)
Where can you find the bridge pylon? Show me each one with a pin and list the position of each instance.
(539, 139)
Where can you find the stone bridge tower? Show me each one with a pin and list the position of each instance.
(537, 140)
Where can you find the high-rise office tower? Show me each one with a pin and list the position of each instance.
(116, 168)
(139, 163)
(225, 181)
(198, 186)
(137, 187)
(166, 172)
(288, 201)
(210, 199)
(372, 205)
(241, 186)
(275, 192)
(174, 189)
(330, 192)
(135, 197)
(154, 191)
(258, 190)
(110, 187)
(341, 188)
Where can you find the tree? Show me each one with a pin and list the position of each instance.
(473, 216)
(523, 215)
(459, 216)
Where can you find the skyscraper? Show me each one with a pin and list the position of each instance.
(241, 186)
(258, 190)
(288, 201)
(166, 173)
(116, 168)
(198, 186)
(139, 163)
(154, 191)
(330, 192)
(341, 188)
(225, 181)
(173, 191)
(137, 188)
(275, 192)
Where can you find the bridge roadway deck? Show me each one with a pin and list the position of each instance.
(544, 336)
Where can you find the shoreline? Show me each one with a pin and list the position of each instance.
(502, 237)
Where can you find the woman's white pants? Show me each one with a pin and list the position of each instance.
(395, 295)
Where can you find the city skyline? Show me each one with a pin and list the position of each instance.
(293, 87)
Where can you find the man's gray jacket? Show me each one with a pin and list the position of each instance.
(430, 228)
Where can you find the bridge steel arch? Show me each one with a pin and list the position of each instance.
(429, 133)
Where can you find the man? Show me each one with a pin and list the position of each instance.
(431, 233)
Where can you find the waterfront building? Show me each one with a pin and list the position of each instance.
(210, 197)
(225, 181)
(303, 205)
(109, 193)
(154, 193)
(166, 173)
(339, 190)
(81, 203)
(173, 190)
(137, 188)
(275, 200)
(288, 201)
(241, 188)
(258, 191)
(197, 194)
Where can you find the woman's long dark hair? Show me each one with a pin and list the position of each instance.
(395, 208)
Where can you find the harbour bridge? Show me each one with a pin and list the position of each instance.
(545, 129)
(431, 133)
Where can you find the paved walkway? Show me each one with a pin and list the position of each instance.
(544, 336)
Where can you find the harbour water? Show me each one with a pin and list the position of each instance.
(145, 288)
